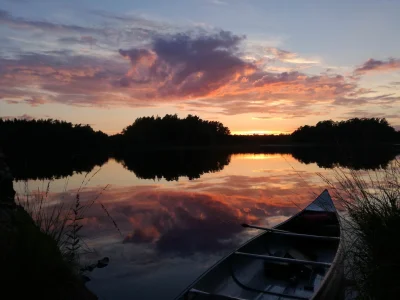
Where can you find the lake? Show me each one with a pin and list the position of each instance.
(179, 213)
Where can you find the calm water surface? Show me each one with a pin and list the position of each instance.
(173, 230)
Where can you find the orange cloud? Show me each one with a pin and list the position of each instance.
(204, 218)
(206, 70)
(288, 57)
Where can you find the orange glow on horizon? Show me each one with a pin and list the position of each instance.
(258, 132)
(256, 156)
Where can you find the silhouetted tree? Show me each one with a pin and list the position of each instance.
(172, 164)
(173, 131)
(39, 149)
(353, 131)
(50, 136)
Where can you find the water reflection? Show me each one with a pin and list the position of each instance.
(173, 230)
(356, 158)
(36, 167)
(173, 222)
(176, 164)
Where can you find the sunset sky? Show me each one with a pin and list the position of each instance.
(254, 65)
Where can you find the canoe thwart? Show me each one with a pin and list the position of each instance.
(199, 292)
(282, 232)
(285, 260)
(219, 296)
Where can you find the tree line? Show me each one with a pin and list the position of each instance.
(49, 137)
(352, 131)
(46, 149)
(52, 148)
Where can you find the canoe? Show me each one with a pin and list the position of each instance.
(300, 258)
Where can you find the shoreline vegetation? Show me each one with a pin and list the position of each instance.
(154, 147)
(41, 242)
(372, 202)
(31, 254)
(171, 132)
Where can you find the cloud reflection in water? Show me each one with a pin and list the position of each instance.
(172, 231)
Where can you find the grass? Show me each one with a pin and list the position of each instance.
(44, 245)
(372, 201)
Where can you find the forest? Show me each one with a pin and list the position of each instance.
(50, 136)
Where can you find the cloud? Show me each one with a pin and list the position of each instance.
(205, 218)
(36, 79)
(373, 66)
(288, 57)
(133, 20)
(187, 66)
(23, 24)
(380, 99)
(87, 40)
(218, 2)
(360, 113)
(202, 68)
(23, 117)
(261, 118)
(104, 35)
(35, 101)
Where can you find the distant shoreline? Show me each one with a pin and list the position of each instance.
(250, 148)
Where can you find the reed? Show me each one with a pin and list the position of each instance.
(371, 200)
(63, 222)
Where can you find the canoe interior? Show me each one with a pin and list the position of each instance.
(244, 277)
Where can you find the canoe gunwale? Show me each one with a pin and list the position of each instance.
(287, 260)
(288, 233)
(335, 265)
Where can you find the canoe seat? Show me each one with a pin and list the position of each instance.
(287, 271)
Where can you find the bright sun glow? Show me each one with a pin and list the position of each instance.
(256, 156)
(258, 132)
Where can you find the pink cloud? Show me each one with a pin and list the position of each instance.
(210, 67)
(169, 219)
(372, 66)
(35, 101)
(23, 117)
(200, 69)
